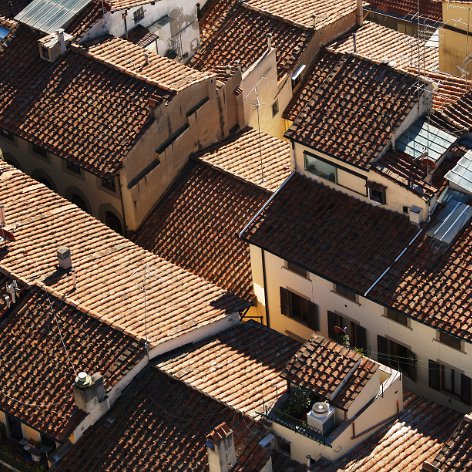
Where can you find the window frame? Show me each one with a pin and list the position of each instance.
(104, 183)
(436, 381)
(356, 332)
(307, 156)
(138, 15)
(388, 354)
(300, 309)
(383, 196)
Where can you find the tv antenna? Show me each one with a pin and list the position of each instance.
(257, 105)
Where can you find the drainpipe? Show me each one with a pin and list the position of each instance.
(122, 206)
(266, 298)
(124, 15)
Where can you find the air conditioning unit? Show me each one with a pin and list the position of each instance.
(321, 417)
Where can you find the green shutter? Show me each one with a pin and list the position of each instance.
(434, 375)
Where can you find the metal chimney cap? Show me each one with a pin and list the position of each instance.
(83, 380)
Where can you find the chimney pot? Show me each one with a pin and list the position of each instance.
(220, 449)
(88, 390)
(64, 258)
(269, 41)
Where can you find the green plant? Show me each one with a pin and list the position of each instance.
(298, 403)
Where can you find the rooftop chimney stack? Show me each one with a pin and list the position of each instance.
(88, 390)
(354, 42)
(360, 13)
(269, 41)
(415, 215)
(2, 216)
(64, 258)
(220, 449)
(314, 21)
(61, 40)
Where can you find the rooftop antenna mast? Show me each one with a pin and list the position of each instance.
(257, 104)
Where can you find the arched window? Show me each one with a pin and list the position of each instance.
(79, 201)
(113, 222)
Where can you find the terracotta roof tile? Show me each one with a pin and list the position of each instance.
(241, 36)
(456, 116)
(35, 369)
(380, 43)
(241, 156)
(143, 64)
(86, 19)
(404, 443)
(350, 106)
(302, 12)
(116, 5)
(162, 424)
(109, 270)
(456, 454)
(213, 15)
(240, 367)
(351, 242)
(196, 226)
(76, 108)
(322, 366)
(429, 9)
(141, 36)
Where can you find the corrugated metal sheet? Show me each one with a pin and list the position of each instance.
(48, 16)
(423, 138)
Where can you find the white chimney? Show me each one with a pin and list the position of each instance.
(64, 258)
(269, 41)
(415, 215)
(220, 449)
(88, 390)
(61, 40)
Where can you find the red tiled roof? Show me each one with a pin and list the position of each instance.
(404, 443)
(322, 365)
(36, 373)
(428, 9)
(251, 155)
(242, 37)
(75, 108)
(131, 59)
(407, 171)
(350, 106)
(110, 271)
(86, 19)
(456, 454)
(213, 15)
(240, 367)
(380, 43)
(351, 243)
(196, 226)
(302, 12)
(456, 116)
(160, 424)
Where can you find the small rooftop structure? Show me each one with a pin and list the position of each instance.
(461, 175)
(425, 139)
(48, 16)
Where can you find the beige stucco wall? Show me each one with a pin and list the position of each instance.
(30, 434)
(420, 338)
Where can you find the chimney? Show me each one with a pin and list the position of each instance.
(220, 449)
(61, 40)
(88, 390)
(228, 70)
(359, 14)
(146, 58)
(64, 258)
(2, 216)
(314, 21)
(269, 41)
(354, 42)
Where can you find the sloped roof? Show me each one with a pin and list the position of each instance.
(37, 373)
(461, 173)
(242, 37)
(428, 9)
(240, 367)
(162, 424)
(350, 106)
(352, 243)
(197, 222)
(416, 435)
(330, 370)
(380, 43)
(114, 280)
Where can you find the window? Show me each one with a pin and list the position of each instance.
(406, 210)
(345, 292)
(73, 167)
(6, 134)
(275, 108)
(377, 195)
(40, 151)
(295, 268)
(138, 15)
(299, 308)
(14, 428)
(109, 183)
(297, 75)
(357, 334)
(451, 341)
(113, 222)
(79, 201)
(397, 316)
(450, 380)
(321, 168)
(397, 356)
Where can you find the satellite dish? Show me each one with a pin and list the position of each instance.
(339, 330)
